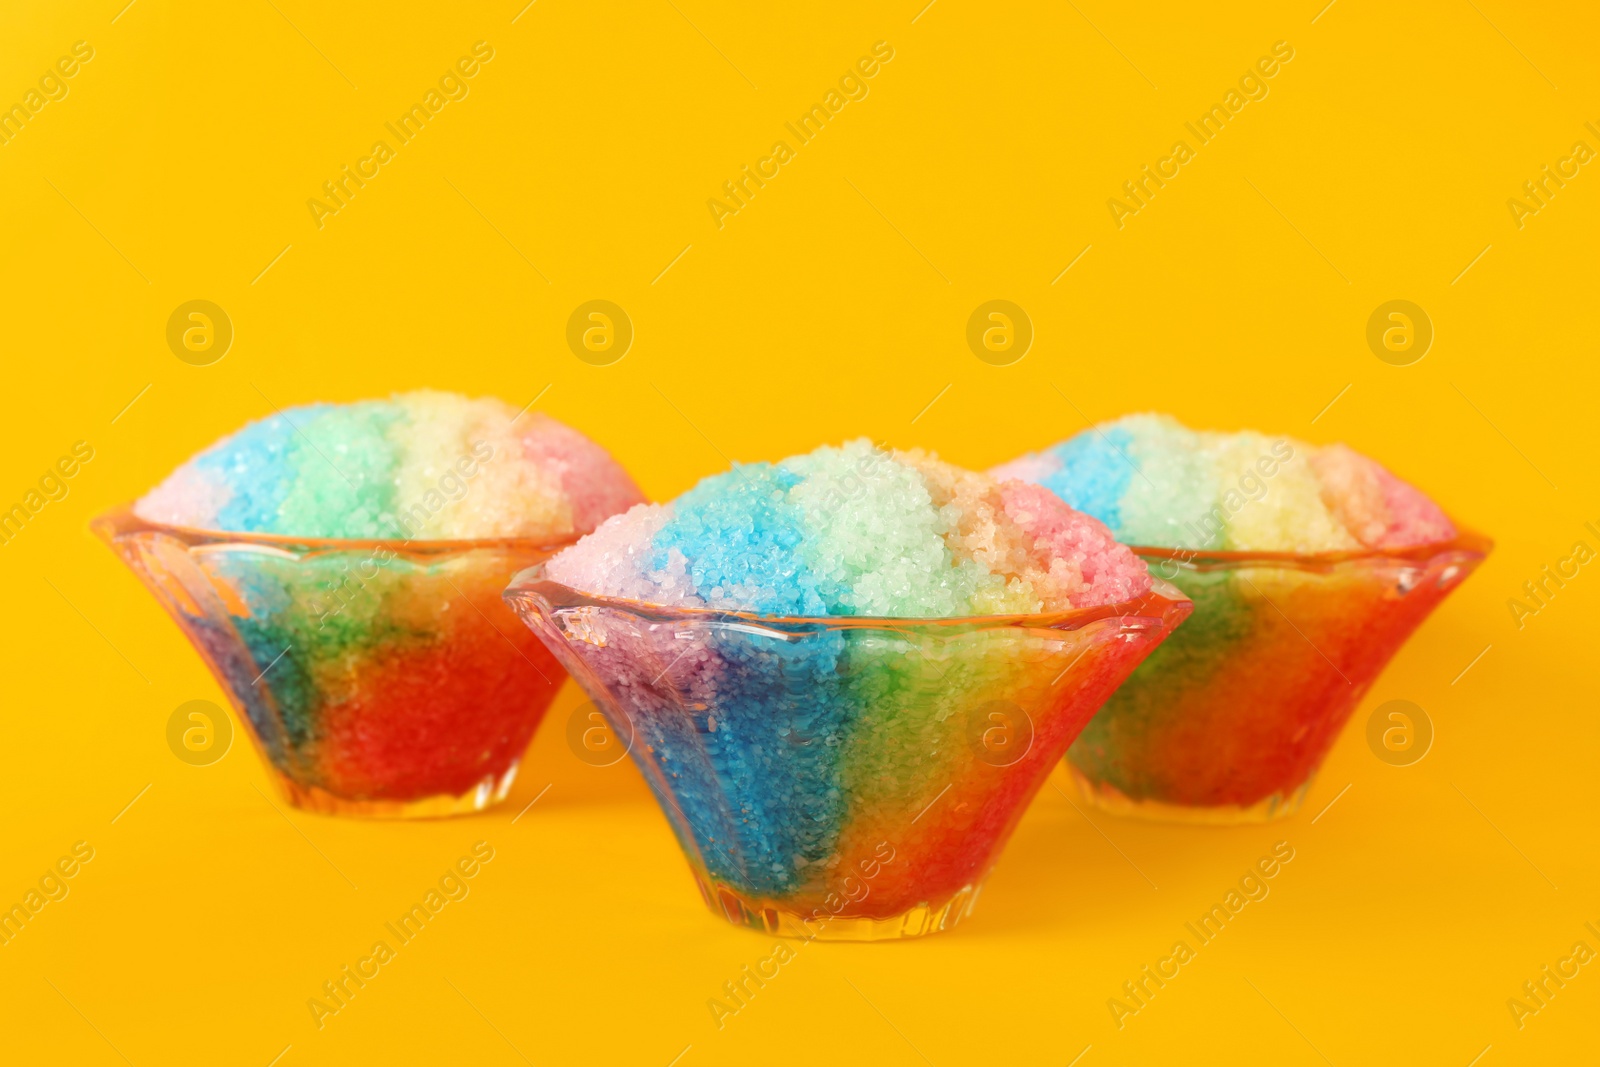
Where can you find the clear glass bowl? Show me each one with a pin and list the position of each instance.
(1229, 720)
(379, 678)
(837, 777)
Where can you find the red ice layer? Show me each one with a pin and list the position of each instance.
(434, 720)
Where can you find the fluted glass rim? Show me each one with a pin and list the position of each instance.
(530, 584)
(122, 521)
(1467, 542)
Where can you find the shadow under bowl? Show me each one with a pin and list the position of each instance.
(379, 678)
(1229, 720)
(843, 778)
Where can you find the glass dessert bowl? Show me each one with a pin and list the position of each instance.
(840, 777)
(1229, 720)
(379, 678)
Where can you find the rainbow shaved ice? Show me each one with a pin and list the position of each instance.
(366, 642)
(1154, 481)
(856, 530)
(1308, 567)
(845, 674)
(422, 465)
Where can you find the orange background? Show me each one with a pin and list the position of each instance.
(834, 304)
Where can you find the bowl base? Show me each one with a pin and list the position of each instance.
(488, 792)
(767, 916)
(1113, 801)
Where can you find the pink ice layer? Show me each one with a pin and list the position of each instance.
(1087, 567)
(595, 486)
(1378, 509)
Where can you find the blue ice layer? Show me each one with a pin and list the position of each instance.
(739, 531)
(755, 778)
(270, 639)
(255, 462)
(1094, 473)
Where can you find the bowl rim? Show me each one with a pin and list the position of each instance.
(1160, 602)
(1466, 542)
(122, 521)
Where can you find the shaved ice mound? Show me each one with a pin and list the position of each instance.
(860, 531)
(1156, 482)
(925, 643)
(418, 466)
(1308, 566)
